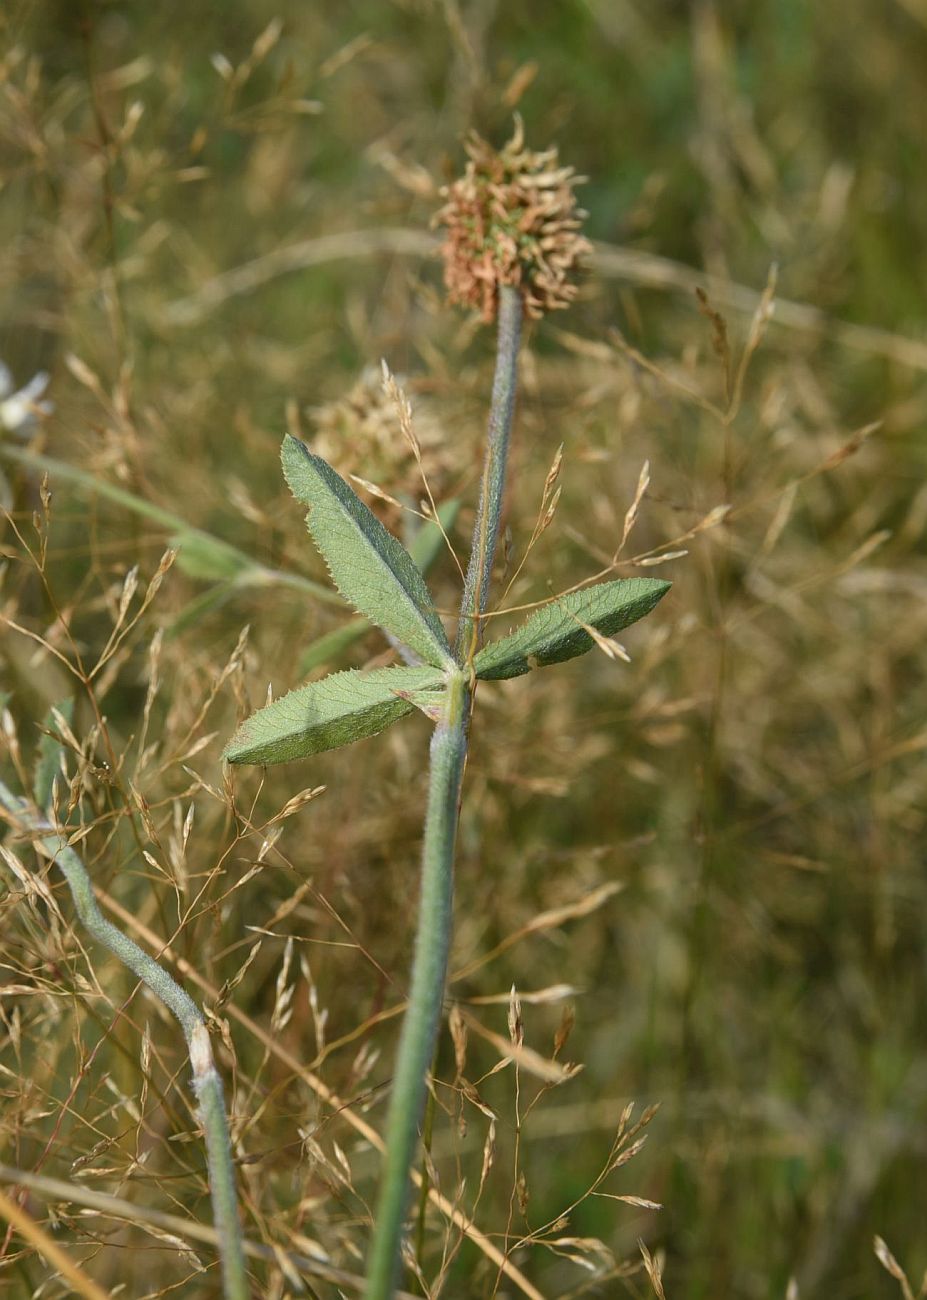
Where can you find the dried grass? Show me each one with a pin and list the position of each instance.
(701, 871)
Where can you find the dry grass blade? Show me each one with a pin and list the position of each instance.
(150, 1219)
(891, 1265)
(326, 1095)
(533, 997)
(654, 1271)
(526, 1058)
(662, 273)
(39, 1239)
(643, 483)
(380, 493)
(761, 318)
(584, 906)
(668, 380)
(611, 648)
(647, 269)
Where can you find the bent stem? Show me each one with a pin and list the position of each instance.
(206, 1081)
(448, 758)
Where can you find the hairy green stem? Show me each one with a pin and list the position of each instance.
(492, 485)
(428, 1125)
(429, 970)
(206, 1081)
(448, 758)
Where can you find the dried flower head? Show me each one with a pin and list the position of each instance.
(511, 219)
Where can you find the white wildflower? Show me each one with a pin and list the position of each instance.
(19, 411)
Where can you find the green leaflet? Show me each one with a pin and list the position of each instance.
(368, 565)
(424, 549)
(553, 632)
(334, 711)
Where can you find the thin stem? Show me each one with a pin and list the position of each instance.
(448, 758)
(206, 1081)
(492, 485)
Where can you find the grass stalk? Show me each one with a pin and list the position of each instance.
(207, 1084)
(448, 757)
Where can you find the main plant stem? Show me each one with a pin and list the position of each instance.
(448, 757)
(492, 486)
(206, 1081)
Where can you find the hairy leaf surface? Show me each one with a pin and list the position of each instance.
(554, 632)
(326, 714)
(424, 549)
(370, 567)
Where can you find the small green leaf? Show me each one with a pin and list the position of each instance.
(48, 756)
(554, 633)
(426, 545)
(331, 645)
(326, 714)
(370, 567)
(201, 556)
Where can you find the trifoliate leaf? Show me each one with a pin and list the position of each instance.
(555, 632)
(326, 714)
(370, 567)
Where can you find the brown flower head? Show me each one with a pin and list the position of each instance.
(511, 219)
(360, 435)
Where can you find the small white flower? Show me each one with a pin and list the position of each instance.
(19, 411)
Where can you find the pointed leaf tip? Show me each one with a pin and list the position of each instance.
(335, 711)
(370, 567)
(555, 632)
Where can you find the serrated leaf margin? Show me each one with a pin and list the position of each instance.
(312, 718)
(554, 633)
(371, 568)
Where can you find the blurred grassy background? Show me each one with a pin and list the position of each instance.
(753, 780)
